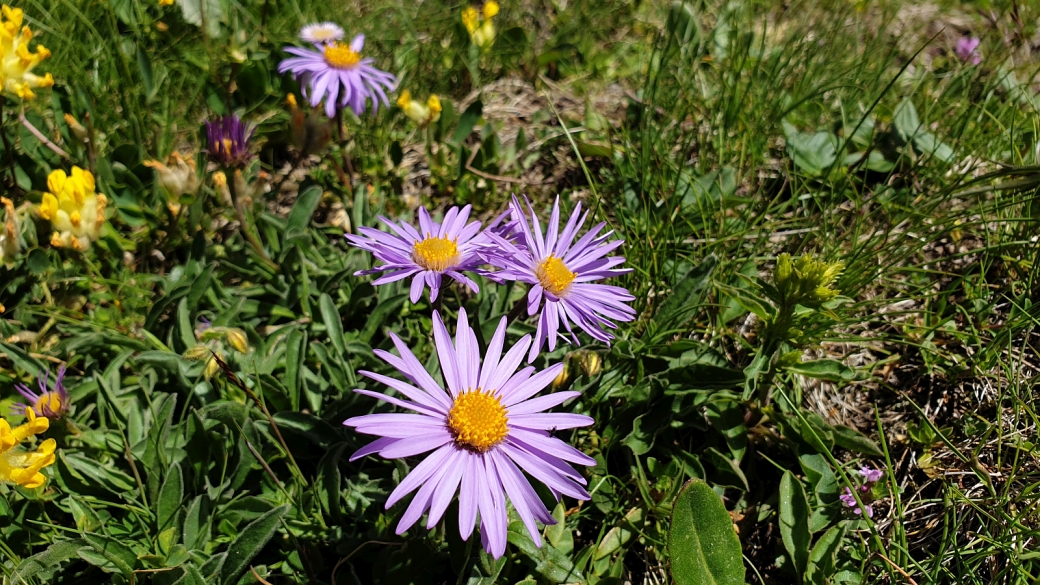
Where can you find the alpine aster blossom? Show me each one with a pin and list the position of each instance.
(337, 73)
(967, 50)
(321, 32)
(52, 404)
(16, 62)
(428, 254)
(485, 431)
(227, 140)
(563, 272)
(19, 466)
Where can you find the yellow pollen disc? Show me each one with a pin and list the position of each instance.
(478, 420)
(49, 400)
(341, 56)
(437, 254)
(553, 275)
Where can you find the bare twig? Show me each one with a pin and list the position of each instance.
(39, 135)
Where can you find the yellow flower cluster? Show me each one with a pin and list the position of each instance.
(176, 178)
(75, 211)
(16, 62)
(420, 113)
(20, 466)
(806, 281)
(8, 231)
(478, 24)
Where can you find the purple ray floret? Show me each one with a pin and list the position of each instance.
(484, 432)
(227, 141)
(52, 404)
(426, 255)
(337, 73)
(562, 269)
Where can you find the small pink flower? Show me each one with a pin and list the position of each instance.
(967, 49)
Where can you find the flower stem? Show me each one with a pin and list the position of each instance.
(244, 226)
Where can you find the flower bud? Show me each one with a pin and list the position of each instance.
(238, 340)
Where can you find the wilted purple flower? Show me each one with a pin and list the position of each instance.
(228, 141)
(337, 73)
(967, 50)
(562, 271)
(486, 431)
(52, 404)
(435, 250)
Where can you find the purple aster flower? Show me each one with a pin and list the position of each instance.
(52, 404)
(850, 500)
(337, 73)
(321, 32)
(967, 50)
(562, 271)
(435, 250)
(228, 141)
(485, 432)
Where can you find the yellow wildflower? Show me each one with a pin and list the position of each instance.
(20, 466)
(420, 113)
(175, 179)
(806, 281)
(8, 231)
(75, 211)
(16, 62)
(165, 2)
(479, 26)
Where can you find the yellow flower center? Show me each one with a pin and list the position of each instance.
(437, 254)
(49, 400)
(341, 56)
(554, 275)
(478, 420)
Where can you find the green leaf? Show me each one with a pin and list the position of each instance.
(300, 216)
(550, 563)
(812, 153)
(109, 549)
(170, 496)
(905, 120)
(330, 479)
(928, 143)
(620, 535)
(467, 121)
(826, 369)
(702, 543)
(853, 440)
(821, 560)
(55, 554)
(195, 528)
(794, 521)
(249, 543)
(683, 24)
(333, 324)
(686, 295)
(205, 14)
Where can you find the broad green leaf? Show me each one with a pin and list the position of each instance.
(794, 521)
(248, 544)
(620, 535)
(686, 296)
(300, 216)
(333, 325)
(329, 480)
(55, 554)
(826, 369)
(170, 496)
(812, 153)
(551, 564)
(822, 558)
(111, 550)
(558, 534)
(195, 530)
(905, 120)
(853, 440)
(467, 121)
(702, 543)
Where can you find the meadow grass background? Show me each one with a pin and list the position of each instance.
(711, 140)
